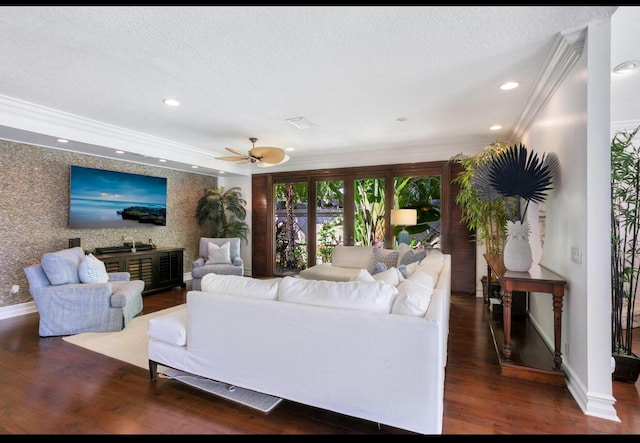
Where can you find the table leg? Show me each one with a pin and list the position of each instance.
(488, 291)
(558, 292)
(506, 320)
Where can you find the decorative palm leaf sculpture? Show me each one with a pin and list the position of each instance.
(520, 176)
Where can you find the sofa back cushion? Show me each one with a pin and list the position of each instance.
(358, 257)
(240, 285)
(61, 267)
(376, 296)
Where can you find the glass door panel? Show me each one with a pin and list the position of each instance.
(369, 207)
(291, 227)
(423, 194)
(329, 218)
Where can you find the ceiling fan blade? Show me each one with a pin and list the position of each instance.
(268, 155)
(232, 159)
(262, 164)
(235, 152)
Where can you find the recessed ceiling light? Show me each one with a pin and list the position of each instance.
(220, 172)
(401, 119)
(162, 160)
(509, 85)
(194, 167)
(626, 67)
(119, 152)
(495, 127)
(290, 149)
(171, 102)
(63, 140)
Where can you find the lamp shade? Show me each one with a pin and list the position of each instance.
(404, 217)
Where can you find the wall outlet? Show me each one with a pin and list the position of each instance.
(576, 254)
(566, 349)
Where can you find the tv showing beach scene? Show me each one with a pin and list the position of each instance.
(111, 199)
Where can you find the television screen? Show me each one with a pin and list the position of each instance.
(110, 199)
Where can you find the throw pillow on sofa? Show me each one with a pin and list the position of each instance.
(92, 270)
(218, 254)
(386, 256)
(412, 257)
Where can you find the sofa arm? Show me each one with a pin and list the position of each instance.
(237, 261)
(198, 263)
(119, 276)
(75, 296)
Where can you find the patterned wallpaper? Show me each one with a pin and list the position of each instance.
(34, 211)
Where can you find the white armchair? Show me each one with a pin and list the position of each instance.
(218, 256)
(68, 305)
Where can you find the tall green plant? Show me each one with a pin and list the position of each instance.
(625, 227)
(223, 213)
(369, 216)
(486, 217)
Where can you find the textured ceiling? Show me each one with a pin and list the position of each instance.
(98, 75)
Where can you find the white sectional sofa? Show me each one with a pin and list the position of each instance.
(365, 348)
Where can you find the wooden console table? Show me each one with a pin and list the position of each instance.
(160, 269)
(537, 279)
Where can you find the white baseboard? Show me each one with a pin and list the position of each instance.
(18, 309)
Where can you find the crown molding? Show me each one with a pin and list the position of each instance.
(37, 119)
(566, 51)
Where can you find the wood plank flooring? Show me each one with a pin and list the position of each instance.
(53, 387)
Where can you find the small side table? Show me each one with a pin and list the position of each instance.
(537, 279)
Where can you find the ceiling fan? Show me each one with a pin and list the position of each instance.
(263, 157)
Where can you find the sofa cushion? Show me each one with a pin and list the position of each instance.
(218, 254)
(61, 267)
(240, 285)
(362, 275)
(373, 296)
(434, 256)
(391, 276)
(358, 257)
(386, 256)
(92, 270)
(326, 271)
(170, 328)
(413, 299)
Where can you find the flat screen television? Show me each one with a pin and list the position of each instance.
(111, 199)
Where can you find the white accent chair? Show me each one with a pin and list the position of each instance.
(203, 266)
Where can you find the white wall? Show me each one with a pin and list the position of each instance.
(575, 125)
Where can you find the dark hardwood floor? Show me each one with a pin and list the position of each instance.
(53, 387)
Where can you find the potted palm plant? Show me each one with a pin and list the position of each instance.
(625, 250)
(519, 176)
(223, 212)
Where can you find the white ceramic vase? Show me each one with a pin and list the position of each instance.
(517, 250)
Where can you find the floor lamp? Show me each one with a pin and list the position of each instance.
(404, 218)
